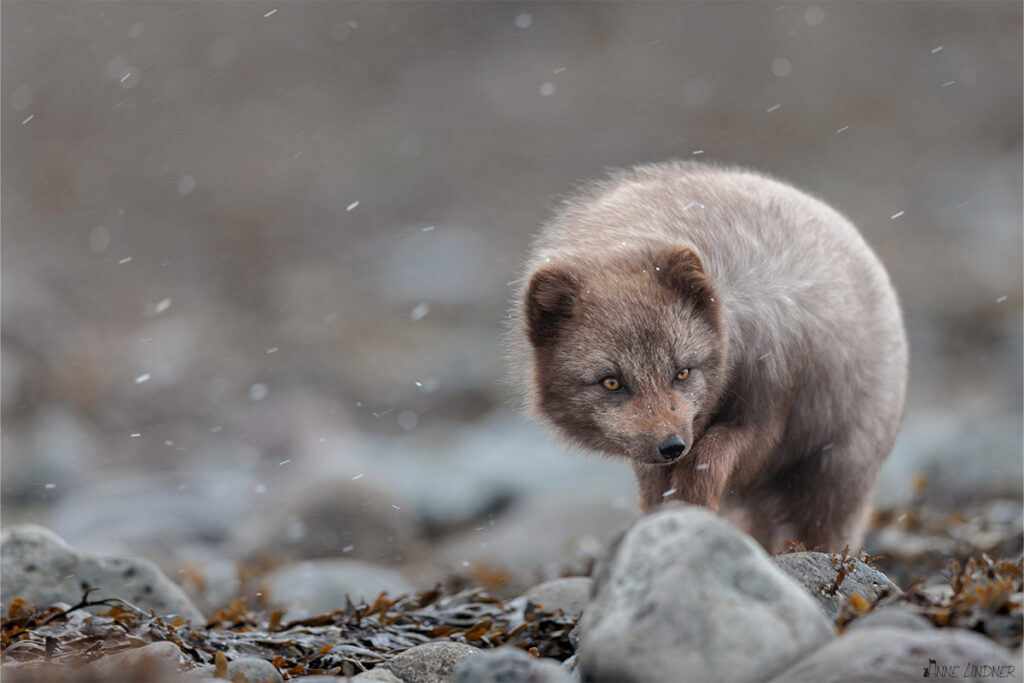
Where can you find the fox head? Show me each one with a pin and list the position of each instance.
(628, 352)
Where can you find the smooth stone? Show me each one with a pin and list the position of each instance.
(894, 654)
(156, 661)
(317, 587)
(38, 566)
(685, 591)
(892, 616)
(334, 517)
(253, 670)
(540, 540)
(570, 594)
(430, 662)
(509, 664)
(816, 573)
(377, 673)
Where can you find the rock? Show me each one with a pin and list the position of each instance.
(574, 634)
(572, 667)
(38, 566)
(501, 458)
(540, 541)
(893, 616)
(212, 585)
(570, 595)
(817, 573)
(253, 670)
(894, 654)
(429, 663)
(169, 517)
(509, 665)
(316, 587)
(153, 662)
(339, 517)
(377, 673)
(684, 591)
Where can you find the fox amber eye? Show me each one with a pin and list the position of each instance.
(611, 384)
(683, 374)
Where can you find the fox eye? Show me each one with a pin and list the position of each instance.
(611, 384)
(683, 374)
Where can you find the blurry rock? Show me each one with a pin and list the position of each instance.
(170, 517)
(931, 442)
(48, 456)
(500, 459)
(684, 591)
(153, 662)
(340, 516)
(253, 670)
(817, 573)
(377, 673)
(35, 564)
(892, 616)
(318, 587)
(570, 595)
(509, 665)
(894, 654)
(429, 663)
(211, 585)
(574, 634)
(572, 667)
(540, 540)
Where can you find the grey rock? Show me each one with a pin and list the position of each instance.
(253, 670)
(40, 567)
(212, 585)
(572, 667)
(570, 594)
(894, 654)
(817, 573)
(430, 662)
(574, 634)
(542, 540)
(893, 616)
(200, 674)
(318, 587)
(684, 591)
(377, 673)
(338, 516)
(156, 661)
(509, 665)
(169, 517)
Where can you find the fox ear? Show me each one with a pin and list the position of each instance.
(681, 270)
(550, 299)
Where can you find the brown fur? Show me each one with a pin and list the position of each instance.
(785, 318)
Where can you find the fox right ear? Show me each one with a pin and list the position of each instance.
(550, 300)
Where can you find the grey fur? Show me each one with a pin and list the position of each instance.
(801, 361)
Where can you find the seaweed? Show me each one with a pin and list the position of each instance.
(346, 641)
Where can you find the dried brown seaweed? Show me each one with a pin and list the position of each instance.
(346, 641)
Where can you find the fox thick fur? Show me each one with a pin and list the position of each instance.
(734, 338)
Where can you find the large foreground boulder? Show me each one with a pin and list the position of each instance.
(896, 654)
(39, 567)
(686, 596)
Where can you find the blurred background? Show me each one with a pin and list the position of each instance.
(257, 257)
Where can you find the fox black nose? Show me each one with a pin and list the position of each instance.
(672, 447)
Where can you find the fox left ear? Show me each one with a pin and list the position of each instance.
(681, 270)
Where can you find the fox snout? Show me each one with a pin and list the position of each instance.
(672, 448)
